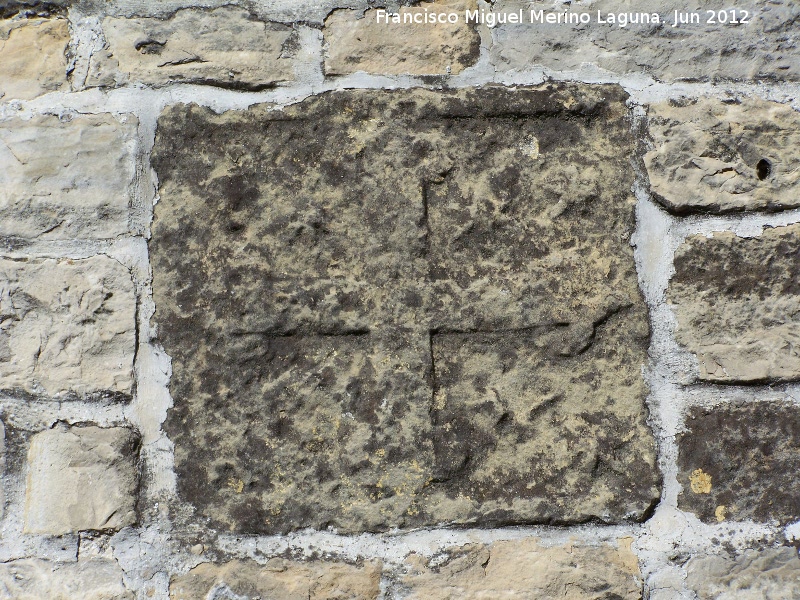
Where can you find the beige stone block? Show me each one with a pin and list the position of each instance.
(769, 574)
(526, 570)
(81, 478)
(67, 327)
(280, 578)
(224, 47)
(764, 49)
(35, 579)
(711, 156)
(355, 43)
(67, 178)
(32, 57)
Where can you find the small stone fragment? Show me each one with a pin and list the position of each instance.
(67, 178)
(279, 578)
(67, 327)
(737, 303)
(525, 570)
(769, 574)
(713, 156)
(225, 47)
(32, 57)
(81, 478)
(35, 579)
(749, 455)
(362, 43)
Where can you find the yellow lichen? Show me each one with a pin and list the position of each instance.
(720, 513)
(700, 482)
(237, 485)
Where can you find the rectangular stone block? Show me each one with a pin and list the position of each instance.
(360, 42)
(81, 478)
(739, 462)
(36, 579)
(526, 570)
(754, 574)
(367, 295)
(711, 156)
(33, 57)
(764, 49)
(225, 47)
(280, 578)
(67, 328)
(67, 178)
(738, 305)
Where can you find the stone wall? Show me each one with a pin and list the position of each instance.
(295, 303)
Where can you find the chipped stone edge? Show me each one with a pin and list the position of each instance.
(148, 554)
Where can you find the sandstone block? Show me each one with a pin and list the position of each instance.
(454, 333)
(770, 574)
(356, 42)
(764, 49)
(279, 578)
(32, 57)
(35, 579)
(81, 478)
(738, 306)
(224, 47)
(67, 327)
(739, 462)
(66, 179)
(526, 570)
(710, 156)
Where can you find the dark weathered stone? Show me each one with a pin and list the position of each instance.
(740, 462)
(737, 301)
(10, 8)
(391, 309)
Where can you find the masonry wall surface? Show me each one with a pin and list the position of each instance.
(298, 302)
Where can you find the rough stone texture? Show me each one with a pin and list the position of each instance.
(279, 578)
(67, 178)
(356, 42)
(738, 305)
(67, 327)
(81, 478)
(710, 156)
(766, 49)
(2, 468)
(224, 47)
(448, 276)
(771, 574)
(523, 569)
(32, 57)
(740, 461)
(10, 8)
(34, 579)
